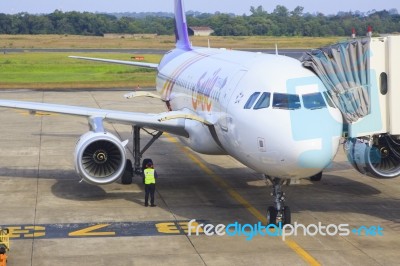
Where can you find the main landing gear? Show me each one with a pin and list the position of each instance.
(137, 154)
(279, 213)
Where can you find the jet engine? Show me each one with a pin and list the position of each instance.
(100, 157)
(378, 156)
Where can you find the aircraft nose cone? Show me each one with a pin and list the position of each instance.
(316, 134)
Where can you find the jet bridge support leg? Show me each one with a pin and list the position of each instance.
(137, 153)
(279, 213)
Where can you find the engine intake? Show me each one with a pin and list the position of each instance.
(379, 158)
(100, 157)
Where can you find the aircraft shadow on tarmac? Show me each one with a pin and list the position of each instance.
(332, 194)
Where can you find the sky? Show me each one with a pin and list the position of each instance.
(210, 6)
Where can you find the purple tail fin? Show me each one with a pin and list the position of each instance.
(181, 30)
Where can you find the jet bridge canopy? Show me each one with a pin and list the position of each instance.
(344, 70)
(362, 78)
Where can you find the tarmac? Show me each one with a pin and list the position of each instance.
(54, 219)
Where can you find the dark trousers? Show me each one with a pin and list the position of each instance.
(149, 189)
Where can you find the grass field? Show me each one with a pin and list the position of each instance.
(160, 42)
(56, 70)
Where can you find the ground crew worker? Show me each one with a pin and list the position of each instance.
(149, 180)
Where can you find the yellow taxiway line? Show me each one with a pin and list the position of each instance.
(235, 195)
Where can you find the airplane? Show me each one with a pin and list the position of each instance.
(265, 110)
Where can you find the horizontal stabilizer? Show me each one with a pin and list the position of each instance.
(121, 62)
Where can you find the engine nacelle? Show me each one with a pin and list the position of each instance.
(100, 157)
(379, 157)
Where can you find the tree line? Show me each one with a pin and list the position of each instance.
(280, 22)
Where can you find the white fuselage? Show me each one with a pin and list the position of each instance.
(268, 134)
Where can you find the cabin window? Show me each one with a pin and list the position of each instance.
(313, 101)
(263, 102)
(286, 101)
(251, 100)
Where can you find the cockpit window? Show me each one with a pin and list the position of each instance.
(286, 101)
(314, 101)
(263, 102)
(251, 100)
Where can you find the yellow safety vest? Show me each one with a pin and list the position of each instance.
(149, 177)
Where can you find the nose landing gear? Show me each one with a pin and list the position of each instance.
(279, 213)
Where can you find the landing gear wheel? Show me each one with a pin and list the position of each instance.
(316, 177)
(287, 216)
(279, 213)
(271, 215)
(126, 178)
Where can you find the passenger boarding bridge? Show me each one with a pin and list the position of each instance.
(363, 80)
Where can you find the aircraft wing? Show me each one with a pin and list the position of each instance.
(121, 62)
(171, 122)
